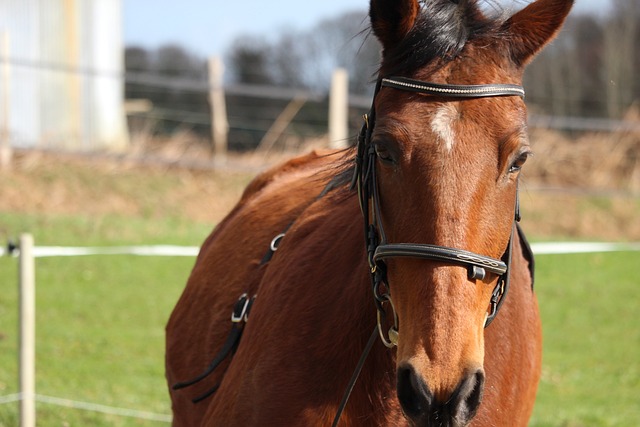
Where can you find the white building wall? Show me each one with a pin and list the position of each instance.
(19, 21)
(107, 88)
(67, 66)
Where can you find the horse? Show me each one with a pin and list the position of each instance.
(368, 286)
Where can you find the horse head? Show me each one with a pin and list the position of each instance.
(446, 168)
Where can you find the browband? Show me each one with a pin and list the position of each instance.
(455, 91)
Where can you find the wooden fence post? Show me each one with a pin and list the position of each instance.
(219, 124)
(27, 356)
(339, 109)
(5, 120)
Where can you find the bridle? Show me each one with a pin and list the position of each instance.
(377, 246)
(379, 249)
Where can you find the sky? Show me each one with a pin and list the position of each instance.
(207, 27)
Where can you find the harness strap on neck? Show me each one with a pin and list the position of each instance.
(239, 317)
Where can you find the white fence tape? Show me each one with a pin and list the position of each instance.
(581, 247)
(541, 248)
(95, 407)
(66, 251)
(160, 250)
(88, 406)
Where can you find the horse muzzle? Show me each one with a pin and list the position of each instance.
(425, 410)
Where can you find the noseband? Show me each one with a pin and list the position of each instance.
(377, 246)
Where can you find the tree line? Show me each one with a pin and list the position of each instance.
(589, 71)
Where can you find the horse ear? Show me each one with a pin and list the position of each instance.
(534, 26)
(391, 20)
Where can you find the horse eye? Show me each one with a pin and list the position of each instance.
(516, 166)
(383, 153)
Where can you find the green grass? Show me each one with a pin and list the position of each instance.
(591, 368)
(100, 325)
(67, 230)
(100, 319)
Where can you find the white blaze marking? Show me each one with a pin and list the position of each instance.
(442, 125)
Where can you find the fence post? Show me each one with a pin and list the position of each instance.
(5, 144)
(219, 124)
(27, 360)
(339, 109)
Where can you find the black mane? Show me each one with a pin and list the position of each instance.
(441, 31)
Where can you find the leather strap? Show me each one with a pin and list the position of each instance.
(355, 375)
(239, 317)
(527, 252)
(440, 253)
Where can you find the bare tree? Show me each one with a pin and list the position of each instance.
(308, 58)
(620, 38)
(249, 60)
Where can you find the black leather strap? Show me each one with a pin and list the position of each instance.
(440, 253)
(229, 346)
(527, 252)
(354, 377)
(239, 317)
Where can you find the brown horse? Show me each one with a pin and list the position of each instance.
(437, 165)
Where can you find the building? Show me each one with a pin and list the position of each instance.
(62, 74)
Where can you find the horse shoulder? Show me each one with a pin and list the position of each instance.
(227, 266)
(295, 325)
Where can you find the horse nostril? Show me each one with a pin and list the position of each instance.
(419, 404)
(465, 402)
(413, 393)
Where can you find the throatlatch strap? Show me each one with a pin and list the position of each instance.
(527, 252)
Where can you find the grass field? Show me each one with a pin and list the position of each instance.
(100, 327)
(100, 319)
(591, 368)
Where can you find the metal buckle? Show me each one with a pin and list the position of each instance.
(496, 296)
(240, 309)
(276, 242)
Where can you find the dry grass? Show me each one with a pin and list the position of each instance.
(74, 185)
(603, 161)
(184, 185)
